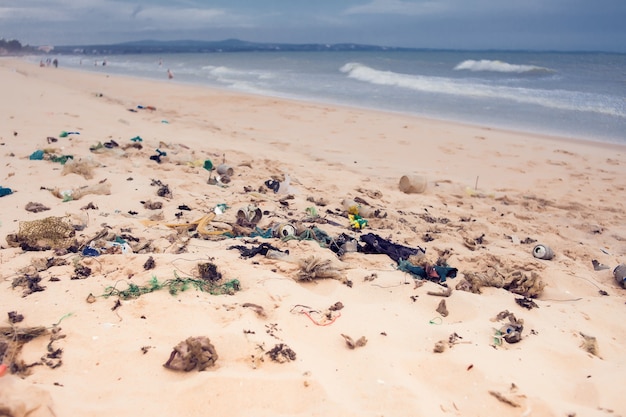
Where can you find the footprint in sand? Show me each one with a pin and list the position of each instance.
(281, 145)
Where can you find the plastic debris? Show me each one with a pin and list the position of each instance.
(44, 234)
(220, 208)
(89, 251)
(249, 216)
(620, 274)
(511, 332)
(430, 272)
(281, 187)
(61, 159)
(158, 156)
(543, 252)
(5, 191)
(376, 244)
(357, 222)
(102, 188)
(37, 155)
(284, 230)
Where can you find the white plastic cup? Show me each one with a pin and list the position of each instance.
(412, 184)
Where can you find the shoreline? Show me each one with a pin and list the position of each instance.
(491, 196)
(400, 114)
(558, 136)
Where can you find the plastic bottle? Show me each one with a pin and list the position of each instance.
(361, 210)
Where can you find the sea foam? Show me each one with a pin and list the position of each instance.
(498, 66)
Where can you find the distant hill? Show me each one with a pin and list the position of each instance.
(228, 45)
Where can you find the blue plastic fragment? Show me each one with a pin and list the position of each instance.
(5, 191)
(258, 232)
(36, 156)
(90, 251)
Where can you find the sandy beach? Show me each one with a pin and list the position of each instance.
(146, 256)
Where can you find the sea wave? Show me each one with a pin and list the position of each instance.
(498, 66)
(555, 99)
(227, 72)
(241, 80)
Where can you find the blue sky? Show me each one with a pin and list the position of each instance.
(463, 24)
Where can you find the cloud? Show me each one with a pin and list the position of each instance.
(33, 14)
(401, 7)
(419, 23)
(55, 10)
(99, 11)
(185, 17)
(462, 9)
(136, 11)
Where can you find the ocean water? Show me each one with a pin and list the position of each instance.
(576, 95)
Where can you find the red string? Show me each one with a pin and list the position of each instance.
(328, 323)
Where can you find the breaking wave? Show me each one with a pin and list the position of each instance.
(555, 99)
(498, 66)
(223, 72)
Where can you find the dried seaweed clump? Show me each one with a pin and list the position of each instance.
(312, 268)
(35, 207)
(44, 234)
(590, 345)
(30, 283)
(351, 343)
(517, 282)
(149, 264)
(83, 167)
(208, 271)
(282, 353)
(13, 339)
(192, 353)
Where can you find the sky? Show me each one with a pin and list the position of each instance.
(581, 25)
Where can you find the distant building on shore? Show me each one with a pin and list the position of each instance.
(45, 48)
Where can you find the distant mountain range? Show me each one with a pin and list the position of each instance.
(228, 45)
